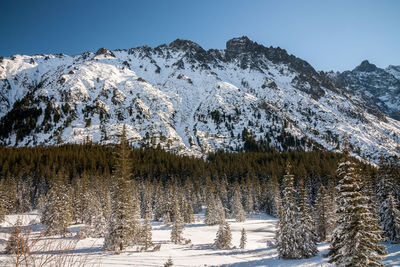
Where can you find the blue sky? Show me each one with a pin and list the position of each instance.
(328, 34)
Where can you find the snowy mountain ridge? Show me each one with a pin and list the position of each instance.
(380, 88)
(187, 100)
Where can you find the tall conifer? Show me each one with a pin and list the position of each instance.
(355, 239)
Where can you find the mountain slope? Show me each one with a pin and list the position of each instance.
(185, 99)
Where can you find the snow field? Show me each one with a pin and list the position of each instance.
(260, 229)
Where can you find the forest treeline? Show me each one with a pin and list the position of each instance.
(40, 163)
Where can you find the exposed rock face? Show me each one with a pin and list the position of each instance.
(193, 101)
(365, 66)
(104, 51)
(379, 88)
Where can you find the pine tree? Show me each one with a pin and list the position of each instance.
(355, 239)
(214, 212)
(57, 213)
(243, 239)
(258, 196)
(223, 239)
(324, 214)
(93, 217)
(287, 235)
(223, 192)
(238, 211)
(388, 206)
(274, 196)
(23, 197)
(147, 199)
(369, 189)
(147, 238)
(168, 215)
(11, 192)
(177, 229)
(78, 203)
(391, 219)
(123, 225)
(220, 210)
(3, 201)
(158, 202)
(188, 216)
(249, 196)
(305, 229)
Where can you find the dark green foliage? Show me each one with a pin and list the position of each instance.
(156, 163)
(22, 119)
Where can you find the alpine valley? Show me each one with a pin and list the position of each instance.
(191, 101)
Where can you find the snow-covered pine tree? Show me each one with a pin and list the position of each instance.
(87, 202)
(123, 224)
(188, 215)
(147, 238)
(369, 189)
(177, 229)
(167, 218)
(388, 206)
(287, 235)
(333, 195)
(168, 215)
(274, 196)
(249, 195)
(211, 216)
(11, 192)
(238, 211)
(215, 212)
(105, 202)
(221, 211)
(23, 196)
(148, 201)
(391, 219)
(258, 196)
(223, 239)
(158, 202)
(197, 198)
(223, 191)
(3, 201)
(355, 239)
(324, 215)
(57, 213)
(243, 239)
(93, 217)
(78, 203)
(307, 246)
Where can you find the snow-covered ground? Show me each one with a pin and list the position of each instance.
(260, 229)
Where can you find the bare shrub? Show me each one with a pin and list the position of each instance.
(26, 248)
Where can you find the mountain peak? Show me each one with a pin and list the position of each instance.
(182, 44)
(104, 51)
(365, 66)
(240, 44)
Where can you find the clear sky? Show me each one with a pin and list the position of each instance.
(329, 34)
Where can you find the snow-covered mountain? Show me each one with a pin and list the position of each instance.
(380, 88)
(187, 100)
